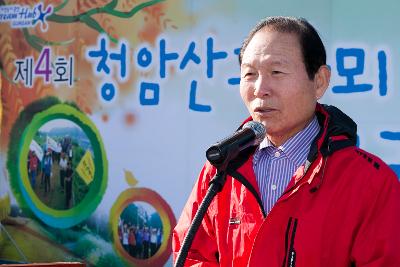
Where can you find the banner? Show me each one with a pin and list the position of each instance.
(132, 93)
(52, 144)
(86, 168)
(37, 149)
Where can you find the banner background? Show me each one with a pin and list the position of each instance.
(148, 121)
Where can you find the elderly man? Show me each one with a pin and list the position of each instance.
(306, 196)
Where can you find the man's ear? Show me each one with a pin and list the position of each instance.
(321, 81)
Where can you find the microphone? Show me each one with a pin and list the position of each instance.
(251, 134)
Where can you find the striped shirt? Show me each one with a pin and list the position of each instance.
(275, 166)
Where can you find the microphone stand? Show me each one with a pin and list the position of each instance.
(214, 188)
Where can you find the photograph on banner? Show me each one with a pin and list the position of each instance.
(60, 164)
(140, 230)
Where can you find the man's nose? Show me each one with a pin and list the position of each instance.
(262, 87)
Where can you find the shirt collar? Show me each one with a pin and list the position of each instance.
(296, 147)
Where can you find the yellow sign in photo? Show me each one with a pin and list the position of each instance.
(85, 168)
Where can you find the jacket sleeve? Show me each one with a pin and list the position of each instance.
(378, 238)
(203, 251)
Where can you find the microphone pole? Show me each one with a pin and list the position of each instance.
(215, 187)
(219, 155)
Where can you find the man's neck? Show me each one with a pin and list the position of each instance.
(278, 140)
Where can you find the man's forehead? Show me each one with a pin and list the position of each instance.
(274, 47)
(272, 61)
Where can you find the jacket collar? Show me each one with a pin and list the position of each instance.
(337, 132)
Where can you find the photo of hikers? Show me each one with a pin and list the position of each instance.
(140, 230)
(60, 164)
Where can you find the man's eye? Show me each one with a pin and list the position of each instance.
(276, 72)
(248, 74)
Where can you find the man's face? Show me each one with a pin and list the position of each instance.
(275, 86)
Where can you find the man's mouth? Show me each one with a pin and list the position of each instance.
(263, 110)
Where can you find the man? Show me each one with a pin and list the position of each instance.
(125, 237)
(153, 241)
(69, 173)
(47, 170)
(146, 242)
(306, 196)
(63, 168)
(132, 241)
(139, 242)
(32, 168)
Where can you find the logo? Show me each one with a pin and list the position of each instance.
(233, 221)
(25, 16)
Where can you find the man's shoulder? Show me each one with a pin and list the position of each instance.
(360, 161)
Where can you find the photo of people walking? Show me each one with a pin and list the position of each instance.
(55, 153)
(140, 230)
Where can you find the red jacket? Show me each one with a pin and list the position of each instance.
(342, 208)
(33, 163)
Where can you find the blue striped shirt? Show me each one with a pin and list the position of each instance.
(275, 166)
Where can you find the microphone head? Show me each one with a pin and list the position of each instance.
(258, 129)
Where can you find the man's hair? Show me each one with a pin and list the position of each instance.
(313, 50)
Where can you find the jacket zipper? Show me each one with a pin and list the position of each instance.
(290, 252)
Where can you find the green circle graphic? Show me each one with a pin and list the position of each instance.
(76, 214)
